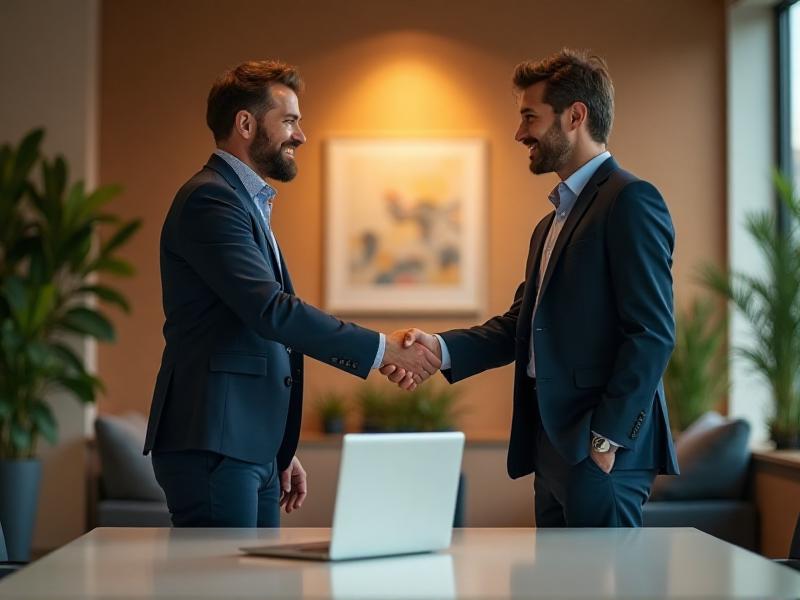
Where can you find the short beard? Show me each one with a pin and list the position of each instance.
(269, 163)
(552, 151)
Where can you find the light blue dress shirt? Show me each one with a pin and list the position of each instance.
(262, 195)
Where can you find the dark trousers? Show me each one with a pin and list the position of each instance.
(206, 489)
(583, 495)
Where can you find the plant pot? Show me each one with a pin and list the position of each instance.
(333, 426)
(785, 440)
(19, 496)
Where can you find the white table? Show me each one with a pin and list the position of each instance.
(497, 563)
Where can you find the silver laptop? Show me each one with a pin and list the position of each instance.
(396, 495)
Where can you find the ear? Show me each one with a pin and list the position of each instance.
(244, 124)
(575, 116)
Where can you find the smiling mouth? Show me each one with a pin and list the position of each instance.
(532, 149)
(289, 150)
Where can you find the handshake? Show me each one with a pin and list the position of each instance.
(411, 356)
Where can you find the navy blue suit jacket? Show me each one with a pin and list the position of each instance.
(603, 331)
(231, 377)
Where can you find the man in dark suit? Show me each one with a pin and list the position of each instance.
(591, 327)
(225, 417)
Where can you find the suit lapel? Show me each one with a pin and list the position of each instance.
(537, 247)
(219, 165)
(287, 281)
(576, 214)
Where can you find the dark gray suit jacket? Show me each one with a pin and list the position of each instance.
(603, 331)
(231, 377)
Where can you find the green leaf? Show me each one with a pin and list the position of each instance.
(45, 423)
(55, 182)
(121, 236)
(68, 357)
(21, 439)
(76, 246)
(74, 203)
(39, 356)
(80, 386)
(114, 266)
(44, 302)
(27, 154)
(96, 200)
(107, 294)
(16, 296)
(87, 321)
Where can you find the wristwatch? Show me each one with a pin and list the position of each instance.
(600, 444)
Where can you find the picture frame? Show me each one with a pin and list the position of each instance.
(405, 225)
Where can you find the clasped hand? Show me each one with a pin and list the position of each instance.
(411, 357)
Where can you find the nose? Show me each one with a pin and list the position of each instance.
(299, 136)
(521, 134)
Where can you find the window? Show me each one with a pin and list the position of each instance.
(789, 89)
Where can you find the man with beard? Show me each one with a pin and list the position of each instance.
(591, 327)
(225, 418)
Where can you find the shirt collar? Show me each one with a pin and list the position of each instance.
(252, 181)
(567, 191)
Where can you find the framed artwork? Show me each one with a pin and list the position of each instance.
(405, 225)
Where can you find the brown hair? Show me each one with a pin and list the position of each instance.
(246, 87)
(573, 76)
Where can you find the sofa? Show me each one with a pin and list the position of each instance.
(713, 492)
(123, 490)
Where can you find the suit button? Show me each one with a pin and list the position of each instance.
(287, 382)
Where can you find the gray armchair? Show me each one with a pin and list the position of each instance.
(712, 493)
(126, 491)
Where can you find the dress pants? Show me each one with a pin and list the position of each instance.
(206, 489)
(583, 495)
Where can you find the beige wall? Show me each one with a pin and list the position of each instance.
(404, 68)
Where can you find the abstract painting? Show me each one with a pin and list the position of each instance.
(405, 225)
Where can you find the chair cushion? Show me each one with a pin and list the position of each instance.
(734, 521)
(714, 458)
(126, 473)
(132, 513)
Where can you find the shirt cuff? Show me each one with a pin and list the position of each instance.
(612, 442)
(381, 351)
(445, 353)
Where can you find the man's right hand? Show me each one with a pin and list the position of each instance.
(408, 378)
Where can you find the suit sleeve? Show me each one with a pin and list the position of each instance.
(484, 346)
(640, 244)
(216, 239)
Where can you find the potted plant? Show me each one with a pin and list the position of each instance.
(428, 408)
(696, 378)
(332, 409)
(49, 259)
(375, 406)
(770, 302)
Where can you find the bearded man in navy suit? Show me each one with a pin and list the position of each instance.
(225, 418)
(591, 326)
